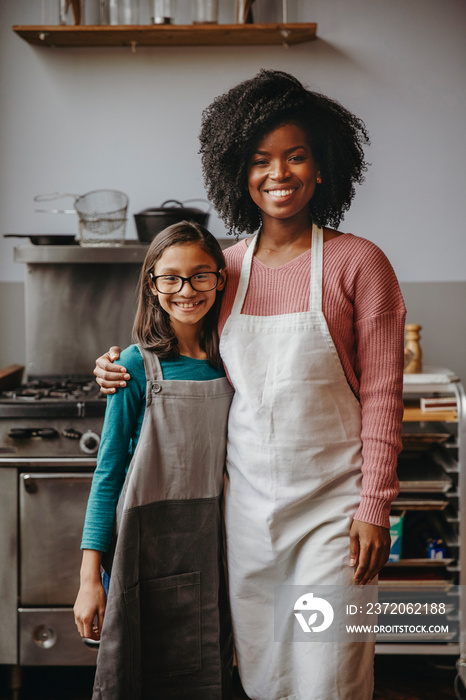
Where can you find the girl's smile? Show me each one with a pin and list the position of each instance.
(188, 308)
(185, 305)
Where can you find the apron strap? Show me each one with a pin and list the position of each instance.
(244, 278)
(315, 302)
(152, 364)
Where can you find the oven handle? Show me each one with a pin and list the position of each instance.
(55, 462)
(30, 485)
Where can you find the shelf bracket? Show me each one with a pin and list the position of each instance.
(285, 34)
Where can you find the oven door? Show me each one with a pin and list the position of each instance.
(51, 517)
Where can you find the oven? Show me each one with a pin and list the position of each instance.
(49, 437)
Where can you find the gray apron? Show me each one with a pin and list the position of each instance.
(166, 633)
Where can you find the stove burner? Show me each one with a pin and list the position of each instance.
(66, 389)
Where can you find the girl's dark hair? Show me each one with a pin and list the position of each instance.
(152, 327)
(236, 121)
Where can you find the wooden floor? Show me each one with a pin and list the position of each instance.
(397, 678)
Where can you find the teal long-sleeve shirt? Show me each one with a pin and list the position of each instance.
(120, 434)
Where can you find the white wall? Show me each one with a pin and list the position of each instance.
(77, 119)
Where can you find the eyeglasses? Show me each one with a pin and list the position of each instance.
(172, 284)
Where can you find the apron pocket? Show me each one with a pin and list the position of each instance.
(171, 624)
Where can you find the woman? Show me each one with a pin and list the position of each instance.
(311, 327)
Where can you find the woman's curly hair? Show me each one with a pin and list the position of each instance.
(236, 121)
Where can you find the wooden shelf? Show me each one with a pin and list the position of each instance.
(414, 414)
(168, 35)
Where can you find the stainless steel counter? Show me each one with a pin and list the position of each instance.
(131, 252)
(75, 254)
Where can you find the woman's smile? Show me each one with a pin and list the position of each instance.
(280, 194)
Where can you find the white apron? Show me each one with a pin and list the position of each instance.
(294, 482)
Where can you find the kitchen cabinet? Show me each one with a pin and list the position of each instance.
(168, 35)
(431, 470)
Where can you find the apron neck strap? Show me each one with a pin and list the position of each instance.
(315, 302)
(244, 277)
(317, 248)
(152, 364)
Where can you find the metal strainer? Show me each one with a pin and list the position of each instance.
(102, 215)
(102, 211)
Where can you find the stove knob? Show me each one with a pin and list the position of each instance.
(44, 637)
(71, 433)
(89, 442)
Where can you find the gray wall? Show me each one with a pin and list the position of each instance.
(79, 119)
(12, 326)
(439, 307)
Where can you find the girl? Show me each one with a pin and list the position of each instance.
(312, 327)
(166, 630)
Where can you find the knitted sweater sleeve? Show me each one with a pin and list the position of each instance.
(379, 335)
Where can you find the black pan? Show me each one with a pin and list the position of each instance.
(43, 239)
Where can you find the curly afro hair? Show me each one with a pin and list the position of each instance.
(236, 121)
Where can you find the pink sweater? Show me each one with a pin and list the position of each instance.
(365, 313)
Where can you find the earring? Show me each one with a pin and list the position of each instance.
(319, 180)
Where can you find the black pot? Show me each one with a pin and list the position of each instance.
(151, 221)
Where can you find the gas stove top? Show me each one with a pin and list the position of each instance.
(67, 388)
(52, 417)
(54, 396)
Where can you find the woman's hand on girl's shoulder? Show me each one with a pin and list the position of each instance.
(109, 376)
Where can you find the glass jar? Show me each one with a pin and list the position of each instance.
(48, 13)
(205, 12)
(70, 12)
(162, 11)
(244, 12)
(122, 12)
